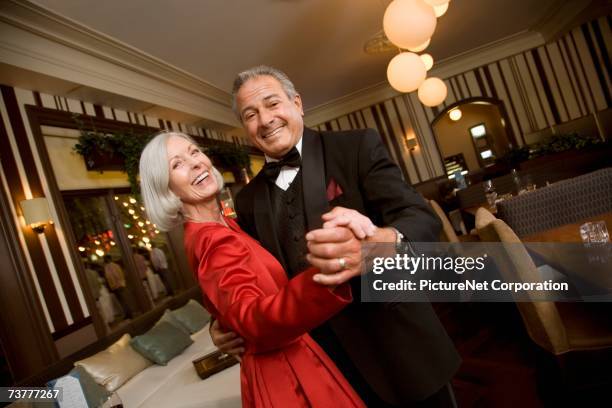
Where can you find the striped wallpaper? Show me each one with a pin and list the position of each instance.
(51, 271)
(549, 85)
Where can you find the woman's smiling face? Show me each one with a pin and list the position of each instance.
(191, 177)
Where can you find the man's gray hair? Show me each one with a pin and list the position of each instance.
(261, 70)
(163, 207)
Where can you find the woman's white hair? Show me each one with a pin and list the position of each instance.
(163, 207)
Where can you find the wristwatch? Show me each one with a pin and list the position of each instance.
(402, 245)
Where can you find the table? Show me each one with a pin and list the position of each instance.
(568, 232)
(589, 264)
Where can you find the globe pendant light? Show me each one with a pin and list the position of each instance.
(409, 23)
(432, 91)
(406, 72)
(427, 60)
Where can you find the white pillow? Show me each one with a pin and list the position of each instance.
(115, 365)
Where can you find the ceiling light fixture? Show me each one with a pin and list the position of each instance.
(432, 92)
(455, 114)
(409, 23)
(427, 60)
(406, 72)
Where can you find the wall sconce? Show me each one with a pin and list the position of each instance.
(36, 213)
(411, 143)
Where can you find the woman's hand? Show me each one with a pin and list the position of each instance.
(227, 342)
(361, 225)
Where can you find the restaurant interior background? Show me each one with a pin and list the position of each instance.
(523, 76)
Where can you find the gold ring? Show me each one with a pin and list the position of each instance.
(342, 263)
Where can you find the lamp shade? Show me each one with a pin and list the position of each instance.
(36, 211)
(432, 92)
(427, 60)
(420, 47)
(406, 72)
(409, 23)
(434, 3)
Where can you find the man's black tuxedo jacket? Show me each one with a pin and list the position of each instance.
(401, 349)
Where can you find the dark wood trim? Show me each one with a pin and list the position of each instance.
(98, 111)
(37, 99)
(72, 328)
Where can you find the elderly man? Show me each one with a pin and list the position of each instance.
(392, 354)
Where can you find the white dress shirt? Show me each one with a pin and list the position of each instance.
(287, 174)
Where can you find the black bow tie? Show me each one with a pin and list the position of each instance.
(291, 159)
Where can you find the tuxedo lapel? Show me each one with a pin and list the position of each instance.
(313, 178)
(264, 222)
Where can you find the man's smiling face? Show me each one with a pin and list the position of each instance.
(272, 120)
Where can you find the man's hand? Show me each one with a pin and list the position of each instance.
(361, 225)
(336, 252)
(227, 342)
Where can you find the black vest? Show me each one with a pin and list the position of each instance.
(289, 216)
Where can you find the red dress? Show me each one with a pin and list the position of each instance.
(246, 288)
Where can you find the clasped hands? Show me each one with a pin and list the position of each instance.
(335, 249)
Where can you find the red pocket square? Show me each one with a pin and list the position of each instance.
(333, 190)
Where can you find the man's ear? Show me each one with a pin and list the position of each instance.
(297, 100)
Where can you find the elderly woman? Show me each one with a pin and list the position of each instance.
(244, 286)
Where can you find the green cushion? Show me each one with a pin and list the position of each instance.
(192, 316)
(163, 342)
(169, 317)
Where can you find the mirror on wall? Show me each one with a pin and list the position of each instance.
(472, 135)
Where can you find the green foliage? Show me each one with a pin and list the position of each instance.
(561, 143)
(551, 145)
(126, 145)
(229, 156)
